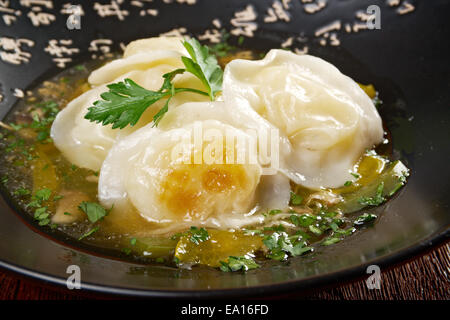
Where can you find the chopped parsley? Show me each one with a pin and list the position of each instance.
(364, 218)
(198, 235)
(22, 192)
(238, 263)
(304, 220)
(280, 246)
(89, 233)
(296, 199)
(376, 200)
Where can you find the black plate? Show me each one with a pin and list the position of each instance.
(407, 61)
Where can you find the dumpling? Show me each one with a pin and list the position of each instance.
(155, 171)
(156, 43)
(325, 115)
(86, 143)
(142, 54)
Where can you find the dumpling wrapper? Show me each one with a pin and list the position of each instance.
(141, 172)
(326, 116)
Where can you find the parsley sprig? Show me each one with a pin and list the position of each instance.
(126, 101)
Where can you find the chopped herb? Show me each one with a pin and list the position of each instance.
(348, 183)
(42, 135)
(198, 235)
(44, 222)
(94, 211)
(296, 199)
(43, 194)
(315, 230)
(330, 240)
(251, 232)
(238, 263)
(133, 241)
(275, 228)
(223, 48)
(80, 67)
(127, 251)
(356, 175)
(67, 213)
(22, 192)
(280, 245)
(375, 200)
(90, 232)
(304, 220)
(364, 218)
(275, 211)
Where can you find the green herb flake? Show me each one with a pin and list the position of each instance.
(89, 233)
(127, 251)
(296, 199)
(364, 218)
(43, 195)
(275, 211)
(304, 220)
(376, 200)
(22, 192)
(238, 263)
(94, 211)
(198, 235)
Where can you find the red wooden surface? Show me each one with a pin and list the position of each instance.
(425, 277)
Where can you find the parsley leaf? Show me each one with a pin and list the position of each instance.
(238, 263)
(94, 211)
(126, 101)
(123, 104)
(204, 66)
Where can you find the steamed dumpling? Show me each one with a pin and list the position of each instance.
(148, 171)
(142, 54)
(86, 143)
(156, 43)
(327, 118)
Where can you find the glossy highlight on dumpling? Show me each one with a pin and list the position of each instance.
(326, 116)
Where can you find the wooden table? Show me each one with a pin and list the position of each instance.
(425, 277)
